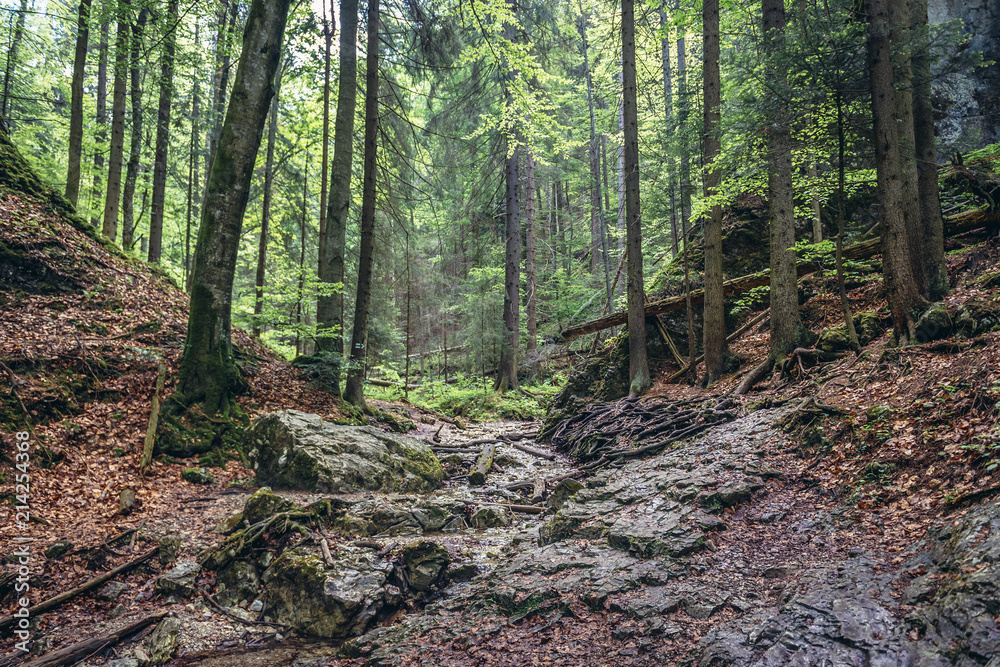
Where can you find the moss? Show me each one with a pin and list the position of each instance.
(192, 432)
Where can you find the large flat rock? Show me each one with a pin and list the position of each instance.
(296, 450)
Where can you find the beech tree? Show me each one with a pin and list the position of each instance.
(207, 372)
(163, 134)
(76, 104)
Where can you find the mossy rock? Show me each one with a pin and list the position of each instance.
(977, 316)
(426, 563)
(867, 325)
(197, 476)
(192, 433)
(563, 492)
(264, 503)
(934, 323)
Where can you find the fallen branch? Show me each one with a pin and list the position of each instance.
(154, 420)
(82, 650)
(57, 600)
(534, 452)
(222, 610)
(729, 339)
(477, 476)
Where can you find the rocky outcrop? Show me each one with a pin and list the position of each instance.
(292, 449)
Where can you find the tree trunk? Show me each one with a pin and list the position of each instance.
(101, 120)
(715, 317)
(507, 369)
(76, 103)
(639, 380)
(620, 190)
(786, 323)
(354, 386)
(222, 59)
(330, 308)
(265, 212)
(6, 104)
(192, 169)
(163, 135)
(845, 305)
(901, 285)
(207, 372)
(668, 103)
(113, 193)
(935, 269)
(529, 251)
(685, 190)
(135, 145)
(300, 344)
(328, 29)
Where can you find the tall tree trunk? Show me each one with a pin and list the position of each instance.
(135, 145)
(901, 284)
(715, 316)
(207, 373)
(300, 343)
(328, 29)
(685, 190)
(101, 120)
(76, 103)
(668, 103)
(221, 79)
(507, 369)
(265, 212)
(163, 135)
(6, 104)
(529, 251)
(638, 365)
(932, 224)
(354, 386)
(193, 179)
(786, 323)
(899, 38)
(845, 305)
(620, 190)
(113, 193)
(330, 308)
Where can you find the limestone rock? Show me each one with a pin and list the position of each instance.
(491, 517)
(292, 449)
(426, 563)
(163, 643)
(169, 546)
(264, 503)
(229, 525)
(179, 581)
(238, 582)
(935, 323)
(111, 591)
(197, 476)
(564, 490)
(337, 602)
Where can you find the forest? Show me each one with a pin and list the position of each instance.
(491, 332)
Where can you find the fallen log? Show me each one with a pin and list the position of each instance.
(477, 476)
(953, 225)
(534, 452)
(57, 600)
(538, 490)
(81, 650)
(154, 420)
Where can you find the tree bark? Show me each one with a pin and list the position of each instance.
(715, 319)
(117, 148)
(221, 80)
(330, 307)
(135, 144)
(101, 120)
(507, 369)
(530, 251)
(639, 380)
(786, 323)
(668, 103)
(354, 386)
(192, 169)
(932, 223)
(6, 104)
(207, 372)
(328, 29)
(163, 136)
(901, 284)
(76, 103)
(265, 212)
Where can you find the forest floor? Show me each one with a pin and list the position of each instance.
(84, 330)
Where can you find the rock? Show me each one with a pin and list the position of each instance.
(867, 325)
(126, 501)
(292, 449)
(238, 582)
(977, 316)
(163, 643)
(256, 606)
(123, 662)
(168, 548)
(111, 591)
(834, 339)
(337, 602)
(179, 581)
(491, 516)
(935, 323)
(400, 516)
(462, 572)
(197, 476)
(426, 563)
(229, 525)
(116, 611)
(564, 490)
(58, 549)
(263, 504)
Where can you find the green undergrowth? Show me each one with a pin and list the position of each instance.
(469, 399)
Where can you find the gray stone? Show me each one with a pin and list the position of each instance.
(292, 449)
(564, 490)
(123, 662)
(111, 591)
(197, 476)
(238, 582)
(491, 517)
(163, 642)
(168, 548)
(116, 611)
(179, 581)
(934, 323)
(229, 525)
(426, 563)
(263, 504)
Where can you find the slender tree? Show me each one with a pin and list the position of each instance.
(12, 57)
(101, 121)
(530, 271)
(207, 373)
(354, 386)
(163, 134)
(328, 29)
(639, 380)
(113, 194)
(330, 306)
(265, 211)
(135, 145)
(76, 103)
(715, 316)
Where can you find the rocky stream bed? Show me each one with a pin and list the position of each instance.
(722, 549)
